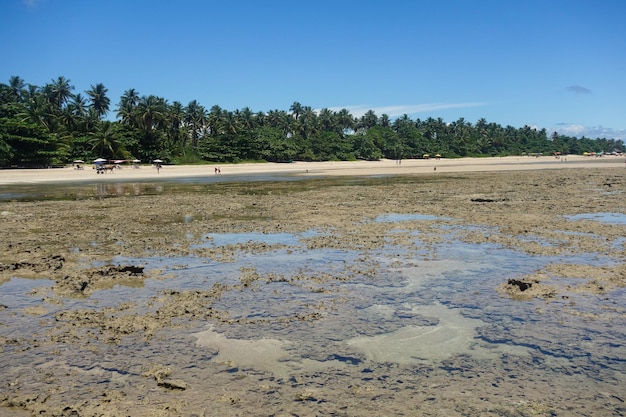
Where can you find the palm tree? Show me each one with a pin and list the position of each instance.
(307, 125)
(246, 118)
(99, 101)
(231, 124)
(296, 109)
(59, 92)
(345, 121)
(401, 122)
(175, 131)
(384, 120)
(105, 142)
(78, 105)
(150, 112)
(126, 107)
(327, 120)
(74, 114)
(368, 120)
(36, 106)
(214, 120)
(17, 88)
(196, 120)
(260, 118)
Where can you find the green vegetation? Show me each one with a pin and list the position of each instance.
(51, 125)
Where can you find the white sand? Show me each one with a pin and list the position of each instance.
(360, 168)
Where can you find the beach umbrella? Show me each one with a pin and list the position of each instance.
(100, 160)
(136, 161)
(157, 160)
(79, 161)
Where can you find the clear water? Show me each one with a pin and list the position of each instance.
(393, 295)
(608, 218)
(408, 306)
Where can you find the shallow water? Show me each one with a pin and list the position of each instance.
(98, 189)
(294, 310)
(449, 291)
(608, 218)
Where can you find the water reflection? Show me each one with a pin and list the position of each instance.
(81, 190)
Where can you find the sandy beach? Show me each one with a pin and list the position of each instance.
(356, 168)
(491, 287)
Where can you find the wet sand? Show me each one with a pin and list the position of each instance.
(541, 342)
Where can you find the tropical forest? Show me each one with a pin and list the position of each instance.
(53, 125)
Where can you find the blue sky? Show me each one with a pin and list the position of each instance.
(554, 64)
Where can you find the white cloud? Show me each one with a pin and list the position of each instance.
(592, 132)
(399, 110)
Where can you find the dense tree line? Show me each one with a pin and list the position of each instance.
(53, 125)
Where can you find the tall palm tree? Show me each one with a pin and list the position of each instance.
(368, 120)
(74, 114)
(402, 122)
(17, 87)
(327, 120)
(231, 124)
(307, 124)
(296, 109)
(126, 107)
(175, 118)
(59, 92)
(36, 106)
(99, 101)
(78, 105)
(150, 112)
(280, 120)
(345, 121)
(246, 118)
(261, 118)
(195, 120)
(214, 120)
(385, 121)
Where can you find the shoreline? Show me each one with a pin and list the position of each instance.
(328, 168)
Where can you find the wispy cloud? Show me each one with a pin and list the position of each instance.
(577, 89)
(578, 130)
(31, 3)
(398, 110)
